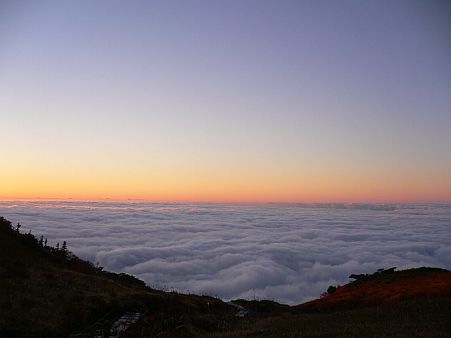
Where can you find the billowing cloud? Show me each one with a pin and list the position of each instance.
(288, 253)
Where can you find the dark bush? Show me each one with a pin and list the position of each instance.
(331, 289)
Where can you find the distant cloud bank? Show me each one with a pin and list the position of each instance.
(288, 253)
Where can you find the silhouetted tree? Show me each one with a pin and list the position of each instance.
(45, 242)
(18, 227)
(358, 277)
(331, 289)
(64, 249)
(58, 246)
(41, 241)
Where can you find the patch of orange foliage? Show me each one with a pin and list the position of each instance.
(398, 287)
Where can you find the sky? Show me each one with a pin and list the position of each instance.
(262, 101)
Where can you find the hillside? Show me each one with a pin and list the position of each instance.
(44, 293)
(49, 292)
(383, 287)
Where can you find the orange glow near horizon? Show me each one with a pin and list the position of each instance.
(240, 187)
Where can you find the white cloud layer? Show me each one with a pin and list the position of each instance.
(288, 253)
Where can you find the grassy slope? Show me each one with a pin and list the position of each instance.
(422, 317)
(384, 289)
(409, 303)
(41, 295)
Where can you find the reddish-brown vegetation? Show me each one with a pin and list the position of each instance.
(384, 289)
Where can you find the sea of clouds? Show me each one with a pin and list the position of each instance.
(288, 253)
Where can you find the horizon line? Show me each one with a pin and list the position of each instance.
(180, 201)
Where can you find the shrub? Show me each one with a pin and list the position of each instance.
(331, 289)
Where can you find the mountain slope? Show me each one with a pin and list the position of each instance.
(383, 287)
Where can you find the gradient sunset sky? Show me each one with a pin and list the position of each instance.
(300, 101)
